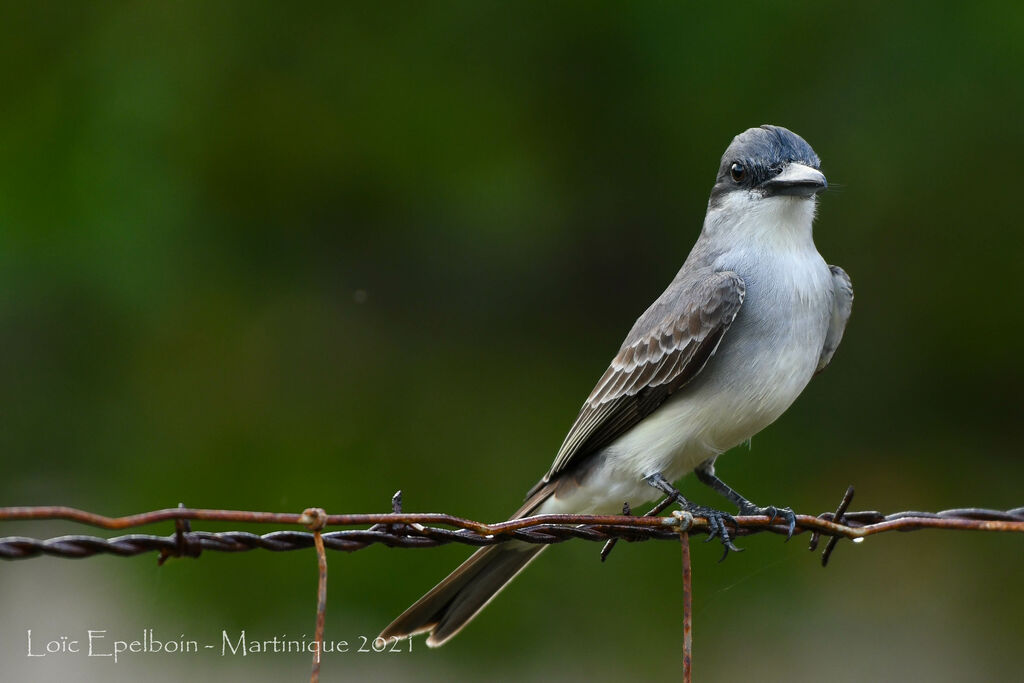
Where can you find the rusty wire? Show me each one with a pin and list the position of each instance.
(684, 541)
(423, 530)
(426, 530)
(318, 517)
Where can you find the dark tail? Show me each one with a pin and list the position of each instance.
(453, 603)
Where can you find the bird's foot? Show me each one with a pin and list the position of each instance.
(717, 525)
(772, 513)
(717, 519)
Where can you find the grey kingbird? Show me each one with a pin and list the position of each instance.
(752, 315)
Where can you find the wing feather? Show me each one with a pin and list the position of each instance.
(842, 305)
(652, 366)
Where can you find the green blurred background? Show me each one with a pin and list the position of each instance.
(266, 257)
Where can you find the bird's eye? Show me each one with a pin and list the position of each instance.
(738, 172)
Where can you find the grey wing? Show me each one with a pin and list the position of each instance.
(842, 304)
(653, 365)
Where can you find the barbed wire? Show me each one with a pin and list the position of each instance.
(398, 529)
(427, 530)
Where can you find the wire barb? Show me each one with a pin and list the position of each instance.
(609, 544)
(184, 546)
(844, 504)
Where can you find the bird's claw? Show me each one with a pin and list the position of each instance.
(717, 521)
(772, 513)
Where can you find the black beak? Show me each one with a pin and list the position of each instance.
(796, 180)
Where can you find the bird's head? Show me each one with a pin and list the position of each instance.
(769, 161)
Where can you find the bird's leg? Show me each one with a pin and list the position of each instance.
(716, 519)
(706, 475)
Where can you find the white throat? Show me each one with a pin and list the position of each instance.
(750, 218)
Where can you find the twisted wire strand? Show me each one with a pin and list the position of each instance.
(406, 530)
